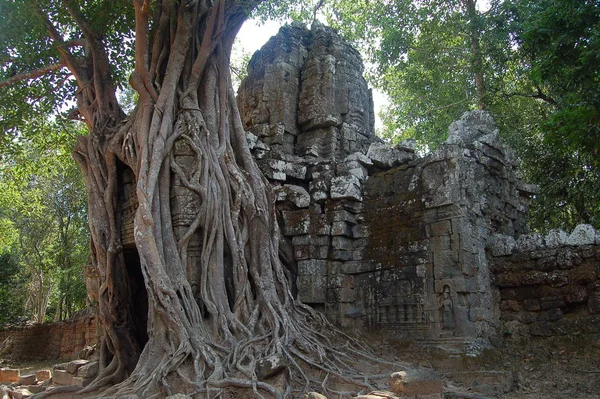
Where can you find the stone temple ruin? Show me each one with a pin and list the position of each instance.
(429, 248)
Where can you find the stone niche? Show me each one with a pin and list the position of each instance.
(382, 239)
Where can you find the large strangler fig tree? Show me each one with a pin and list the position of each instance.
(173, 322)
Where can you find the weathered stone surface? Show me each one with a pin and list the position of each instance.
(416, 382)
(473, 126)
(62, 377)
(313, 395)
(27, 379)
(43, 375)
(556, 238)
(88, 370)
(179, 396)
(74, 365)
(583, 234)
(502, 245)
(270, 367)
(530, 242)
(9, 375)
(295, 194)
(385, 156)
(346, 187)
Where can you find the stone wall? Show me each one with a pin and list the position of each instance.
(60, 340)
(548, 286)
(379, 237)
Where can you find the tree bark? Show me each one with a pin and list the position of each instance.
(476, 57)
(214, 317)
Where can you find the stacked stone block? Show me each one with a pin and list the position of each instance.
(548, 285)
(60, 340)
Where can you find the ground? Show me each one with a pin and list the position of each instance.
(543, 368)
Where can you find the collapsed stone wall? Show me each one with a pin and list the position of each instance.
(379, 237)
(548, 285)
(59, 340)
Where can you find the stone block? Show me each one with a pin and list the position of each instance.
(296, 222)
(82, 381)
(348, 187)
(443, 228)
(312, 289)
(9, 376)
(384, 156)
(310, 239)
(342, 255)
(341, 229)
(558, 279)
(416, 382)
(342, 243)
(74, 365)
(312, 267)
(582, 234)
(43, 375)
(28, 379)
(530, 242)
(575, 294)
(534, 278)
(62, 377)
(295, 194)
(319, 189)
(88, 370)
(313, 395)
(556, 238)
(379, 395)
(360, 231)
(20, 393)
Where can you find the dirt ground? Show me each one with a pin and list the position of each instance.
(541, 368)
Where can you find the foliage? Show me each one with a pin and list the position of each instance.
(12, 291)
(539, 67)
(43, 211)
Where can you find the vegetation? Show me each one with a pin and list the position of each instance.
(532, 65)
(206, 323)
(174, 321)
(44, 229)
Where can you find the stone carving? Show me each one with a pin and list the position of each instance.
(446, 309)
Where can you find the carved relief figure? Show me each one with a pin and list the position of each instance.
(446, 309)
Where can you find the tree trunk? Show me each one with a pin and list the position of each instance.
(476, 57)
(214, 317)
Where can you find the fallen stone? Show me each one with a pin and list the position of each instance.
(384, 156)
(27, 379)
(88, 370)
(270, 367)
(4, 392)
(582, 234)
(313, 395)
(43, 375)
(378, 395)
(20, 393)
(74, 365)
(9, 375)
(34, 388)
(62, 377)
(416, 382)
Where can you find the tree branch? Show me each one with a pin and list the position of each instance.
(32, 74)
(540, 95)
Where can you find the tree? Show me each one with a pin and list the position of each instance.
(42, 210)
(532, 65)
(175, 322)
